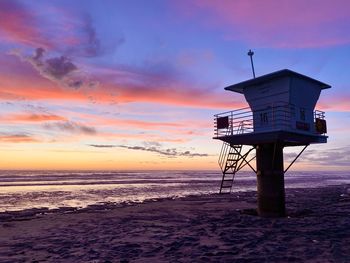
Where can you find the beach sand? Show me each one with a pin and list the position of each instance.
(212, 228)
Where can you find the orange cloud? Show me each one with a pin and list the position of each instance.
(31, 117)
(17, 138)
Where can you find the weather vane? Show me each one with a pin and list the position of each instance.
(250, 54)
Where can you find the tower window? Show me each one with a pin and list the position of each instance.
(263, 118)
(302, 114)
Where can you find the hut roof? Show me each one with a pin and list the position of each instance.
(239, 87)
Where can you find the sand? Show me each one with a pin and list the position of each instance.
(210, 228)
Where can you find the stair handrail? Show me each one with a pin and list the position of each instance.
(223, 153)
(225, 146)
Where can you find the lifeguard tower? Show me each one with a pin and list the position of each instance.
(280, 114)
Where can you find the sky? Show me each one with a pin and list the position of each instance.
(131, 85)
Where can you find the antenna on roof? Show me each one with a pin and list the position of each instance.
(250, 54)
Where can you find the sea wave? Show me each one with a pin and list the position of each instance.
(36, 189)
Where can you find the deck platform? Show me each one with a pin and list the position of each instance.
(285, 137)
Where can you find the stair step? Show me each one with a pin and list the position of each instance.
(229, 168)
(225, 182)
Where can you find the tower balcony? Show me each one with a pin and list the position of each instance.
(280, 121)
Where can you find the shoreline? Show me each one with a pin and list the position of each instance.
(214, 228)
(78, 192)
(27, 214)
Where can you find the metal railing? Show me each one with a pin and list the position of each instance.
(271, 117)
(319, 115)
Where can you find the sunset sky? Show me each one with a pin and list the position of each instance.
(135, 84)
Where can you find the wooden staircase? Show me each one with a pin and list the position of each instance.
(231, 160)
(229, 164)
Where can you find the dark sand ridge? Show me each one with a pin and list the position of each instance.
(193, 229)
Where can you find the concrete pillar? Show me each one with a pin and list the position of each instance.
(270, 179)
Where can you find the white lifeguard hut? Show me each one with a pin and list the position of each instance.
(281, 113)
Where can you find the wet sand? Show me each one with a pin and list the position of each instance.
(193, 229)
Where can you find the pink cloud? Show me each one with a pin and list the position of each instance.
(26, 77)
(73, 34)
(339, 103)
(189, 98)
(18, 81)
(285, 24)
(20, 25)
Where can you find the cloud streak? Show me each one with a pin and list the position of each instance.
(169, 152)
(71, 127)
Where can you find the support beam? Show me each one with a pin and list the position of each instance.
(270, 178)
(296, 158)
(243, 159)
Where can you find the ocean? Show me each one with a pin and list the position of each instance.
(21, 190)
